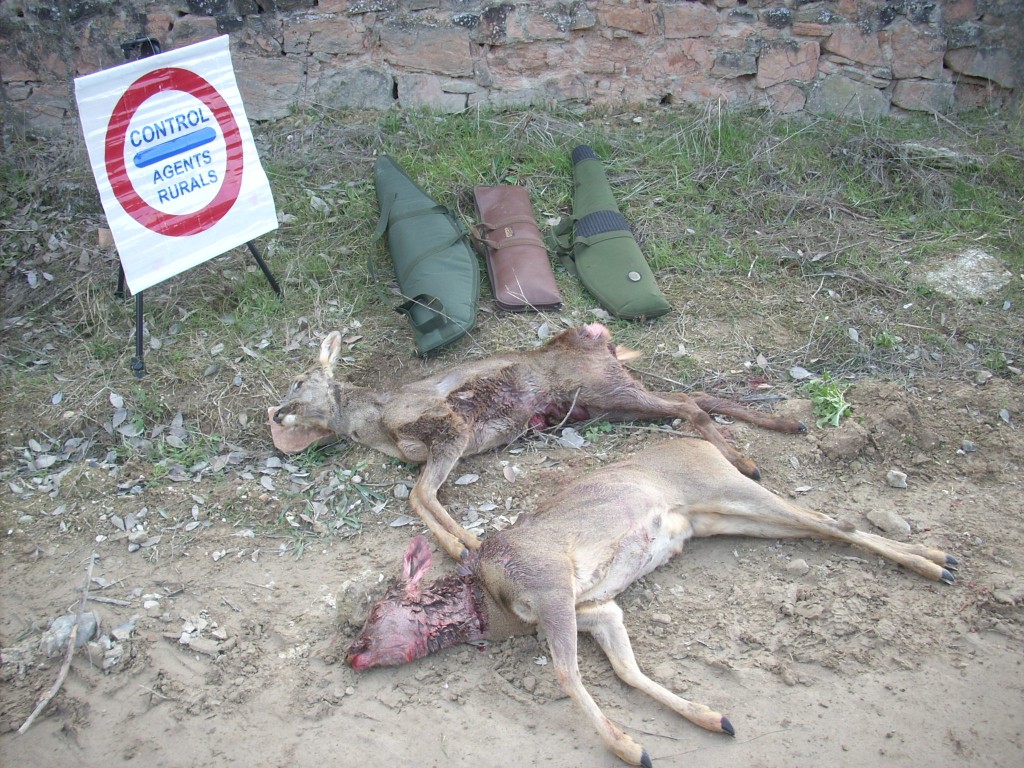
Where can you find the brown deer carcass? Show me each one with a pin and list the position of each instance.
(485, 404)
(560, 568)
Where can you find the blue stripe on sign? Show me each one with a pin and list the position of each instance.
(174, 147)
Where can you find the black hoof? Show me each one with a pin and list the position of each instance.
(756, 474)
(645, 760)
(952, 562)
(947, 577)
(727, 726)
(801, 428)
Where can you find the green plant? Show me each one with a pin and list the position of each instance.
(594, 432)
(829, 398)
(884, 339)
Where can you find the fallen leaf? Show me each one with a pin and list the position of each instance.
(467, 479)
(799, 374)
(130, 429)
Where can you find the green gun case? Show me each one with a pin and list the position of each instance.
(597, 245)
(436, 267)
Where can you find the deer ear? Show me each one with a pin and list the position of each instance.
(416, 564)
(596, 331)
(330, 351)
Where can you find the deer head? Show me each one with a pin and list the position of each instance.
(311, 401)
(412, 620)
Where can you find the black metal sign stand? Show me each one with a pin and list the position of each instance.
(141, 48)
(138, 361)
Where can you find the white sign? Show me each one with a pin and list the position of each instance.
(174, 160)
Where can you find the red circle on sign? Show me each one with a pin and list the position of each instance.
(150, 84)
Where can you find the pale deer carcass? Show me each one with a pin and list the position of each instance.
(559, 569)
(488, 403)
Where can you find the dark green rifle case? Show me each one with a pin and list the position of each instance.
(597, 244)
(436, 267)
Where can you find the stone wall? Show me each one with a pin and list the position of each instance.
(863, 57)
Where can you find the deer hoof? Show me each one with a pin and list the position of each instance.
(645, 760)
(952, 562)
(727, 726)
(755, 474)
(947, 577)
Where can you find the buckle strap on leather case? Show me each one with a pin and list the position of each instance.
(506, 220)
(479, 238)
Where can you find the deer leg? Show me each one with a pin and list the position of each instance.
(751, 510)
(931, 563)
(558, 620)
(454, 539)
(730, 408)
(604, 622)
(643, 404)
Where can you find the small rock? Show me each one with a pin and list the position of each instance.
(661, 618)
(124, 631)
(529, 683)
(201, 644)
(401, 491)
(112, 656)
(845, 442)
(968, 447)
(888, 521)
(982, 377)
(896, 479)
(798, 567)
(809, 610)
(55, 639)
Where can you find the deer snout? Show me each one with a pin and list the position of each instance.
(284, 415)
(358, 661)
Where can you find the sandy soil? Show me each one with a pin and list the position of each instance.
(854, 662)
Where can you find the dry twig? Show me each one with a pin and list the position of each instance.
(72, 639)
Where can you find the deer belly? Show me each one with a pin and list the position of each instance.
(633, 557)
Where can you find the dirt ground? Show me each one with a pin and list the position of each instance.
(847, 660)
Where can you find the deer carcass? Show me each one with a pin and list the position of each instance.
(560, 568)
(488, 403)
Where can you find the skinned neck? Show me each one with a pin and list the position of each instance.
(454, 612)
